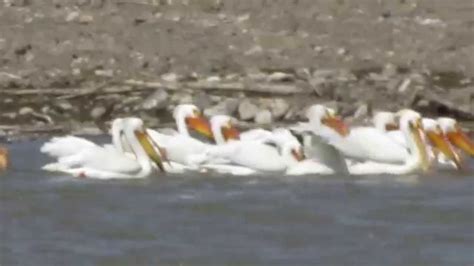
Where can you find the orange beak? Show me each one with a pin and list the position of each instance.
(392, 127)
(441, 142)
(147, 144)
(3, 159)
(418, 134)
(230, 132)
(298, 154)
(459, 139)
(337, 124)
(200, 125)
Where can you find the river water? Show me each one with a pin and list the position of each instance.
(51, 219)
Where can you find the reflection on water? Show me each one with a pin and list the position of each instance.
(48, 219)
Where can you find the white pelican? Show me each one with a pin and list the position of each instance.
(410, 125)
(385, 121)
(362, 143)
(181, 148)
(436, 139)
(99, 162)
(271, 156)
(278, 150)
(223, 129)
(455, 135)
(3, 159)
(440, 143)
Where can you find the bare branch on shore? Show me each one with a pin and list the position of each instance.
(138, 85)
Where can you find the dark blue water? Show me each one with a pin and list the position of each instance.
(48, 219)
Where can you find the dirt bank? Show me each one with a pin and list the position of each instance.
(68, 63)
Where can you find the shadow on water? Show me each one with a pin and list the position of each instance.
(51, 219)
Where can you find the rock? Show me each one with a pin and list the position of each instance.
(215, 99)
(26, 110)
(361, 112)
(8, 80)
(280, 77)
(203, 100)
(214, 79)
(63, 105)
(157, 100)
(72, 16)
(227, 107)
(257, 76)
(170, 77)
(16, 3)
(263, 117)
(389, 70)
(108, 73)
(332, 105)
(247, 110)
(98, 112)
(231, 105)
(80, 129)
(218, 109)
(279, 107)
(85, 19)
(404, 85)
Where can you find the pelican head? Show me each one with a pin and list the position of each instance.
(440, 141)
(3, 158)
(320, 115)
(293, 150)
(456, 136)
(189, 116)
(145, 141)
(385, 121)
(289, 144)
(223, 129)
(411, 125)
(118, 137)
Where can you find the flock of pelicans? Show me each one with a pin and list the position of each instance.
(397, 143)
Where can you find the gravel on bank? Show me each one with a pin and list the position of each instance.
(75, 64)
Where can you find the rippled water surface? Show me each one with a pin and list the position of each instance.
(50, 219)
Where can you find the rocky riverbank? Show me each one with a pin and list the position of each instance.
(72, 66)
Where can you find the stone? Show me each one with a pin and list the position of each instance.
(231, 105)
(157, 100)
(181, 97)
(389, 70)
(332, 105)
(85, 19)
(74, 15)
(108, 73)
(361, 112)
(170, 77)
(279, 107)
(98, 112)
(257, 76)
(25, 110)
(7, 79)
(63, 105)
(203, 100)
(280, 77)
(17, 3)
(213, 79)
(247, 110)
(226, 107)
(263, 117)
(218, 109)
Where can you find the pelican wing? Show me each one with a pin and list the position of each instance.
(318, 149)
(101, 159)
(66, 146)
